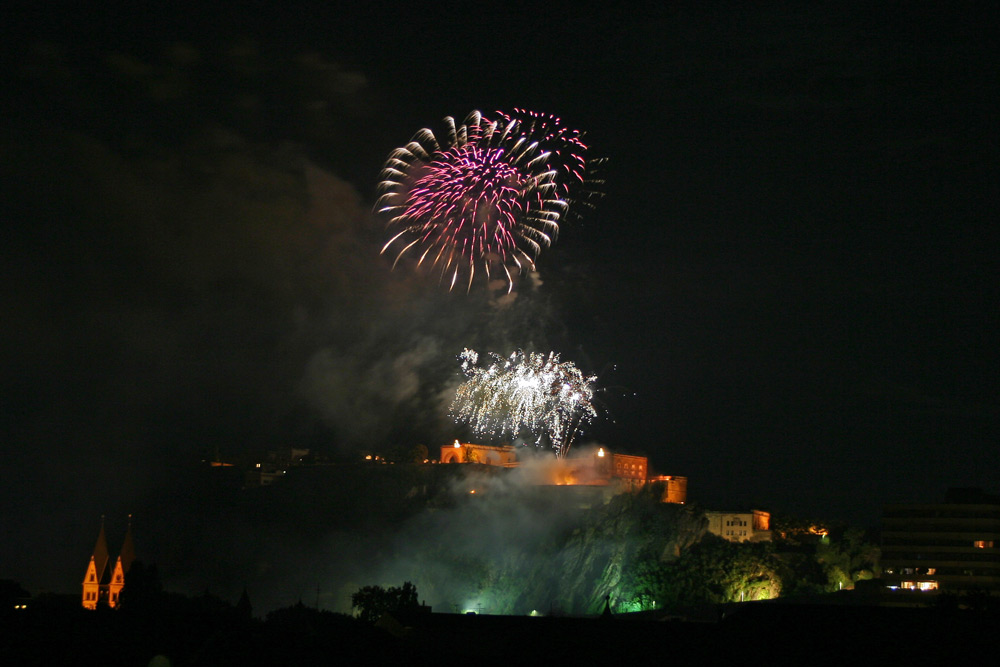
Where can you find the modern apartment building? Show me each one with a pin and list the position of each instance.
(952, 546)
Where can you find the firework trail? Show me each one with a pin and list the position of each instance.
(533, 392)
(490, 194)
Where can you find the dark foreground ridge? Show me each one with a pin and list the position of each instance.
(198, 632)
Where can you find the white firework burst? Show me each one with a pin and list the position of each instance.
(525, 392)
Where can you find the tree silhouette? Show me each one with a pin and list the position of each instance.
(373, 601)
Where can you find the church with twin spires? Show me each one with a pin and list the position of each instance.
(102, 584)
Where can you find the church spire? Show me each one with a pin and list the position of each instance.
(128, 549)
(101, 550)
(122, 565)
(96, 569)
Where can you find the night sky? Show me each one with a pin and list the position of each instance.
(788, 291)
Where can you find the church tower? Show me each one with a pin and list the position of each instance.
(122, 566)
(96, 572)
(102, 584)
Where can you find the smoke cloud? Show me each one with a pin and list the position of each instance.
(196, 275)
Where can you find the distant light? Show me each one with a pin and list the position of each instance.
(367, 458)
(600, 452)
(473, 491)
(457, 444)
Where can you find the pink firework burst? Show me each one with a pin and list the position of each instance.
(565, 146)
(488, 197)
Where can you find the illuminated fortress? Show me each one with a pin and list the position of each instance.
(602, 468)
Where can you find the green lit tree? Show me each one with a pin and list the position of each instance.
(714, 570)
(647, 585)
(846, 557)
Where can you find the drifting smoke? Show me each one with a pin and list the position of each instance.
(213, 255)
(204, 282)
(516, 541)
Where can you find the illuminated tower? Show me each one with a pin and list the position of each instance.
(97, 569)
(122, 565)
(103, 584)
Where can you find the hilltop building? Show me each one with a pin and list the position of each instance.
(602, 468)
(458, 452)
(752, 526)
(952, 546)
(675, 488)
(102, 585)
(631, 469)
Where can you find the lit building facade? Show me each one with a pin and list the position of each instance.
(952, 546)
(752, 526)
(599, 468)
(630, 469)
(675, 488)
(102, 585)
(459, 452)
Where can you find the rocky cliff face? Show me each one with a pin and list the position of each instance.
(632, 526)
(581, 559)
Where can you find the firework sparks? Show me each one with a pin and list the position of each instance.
(491, 194)
(525, 392)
